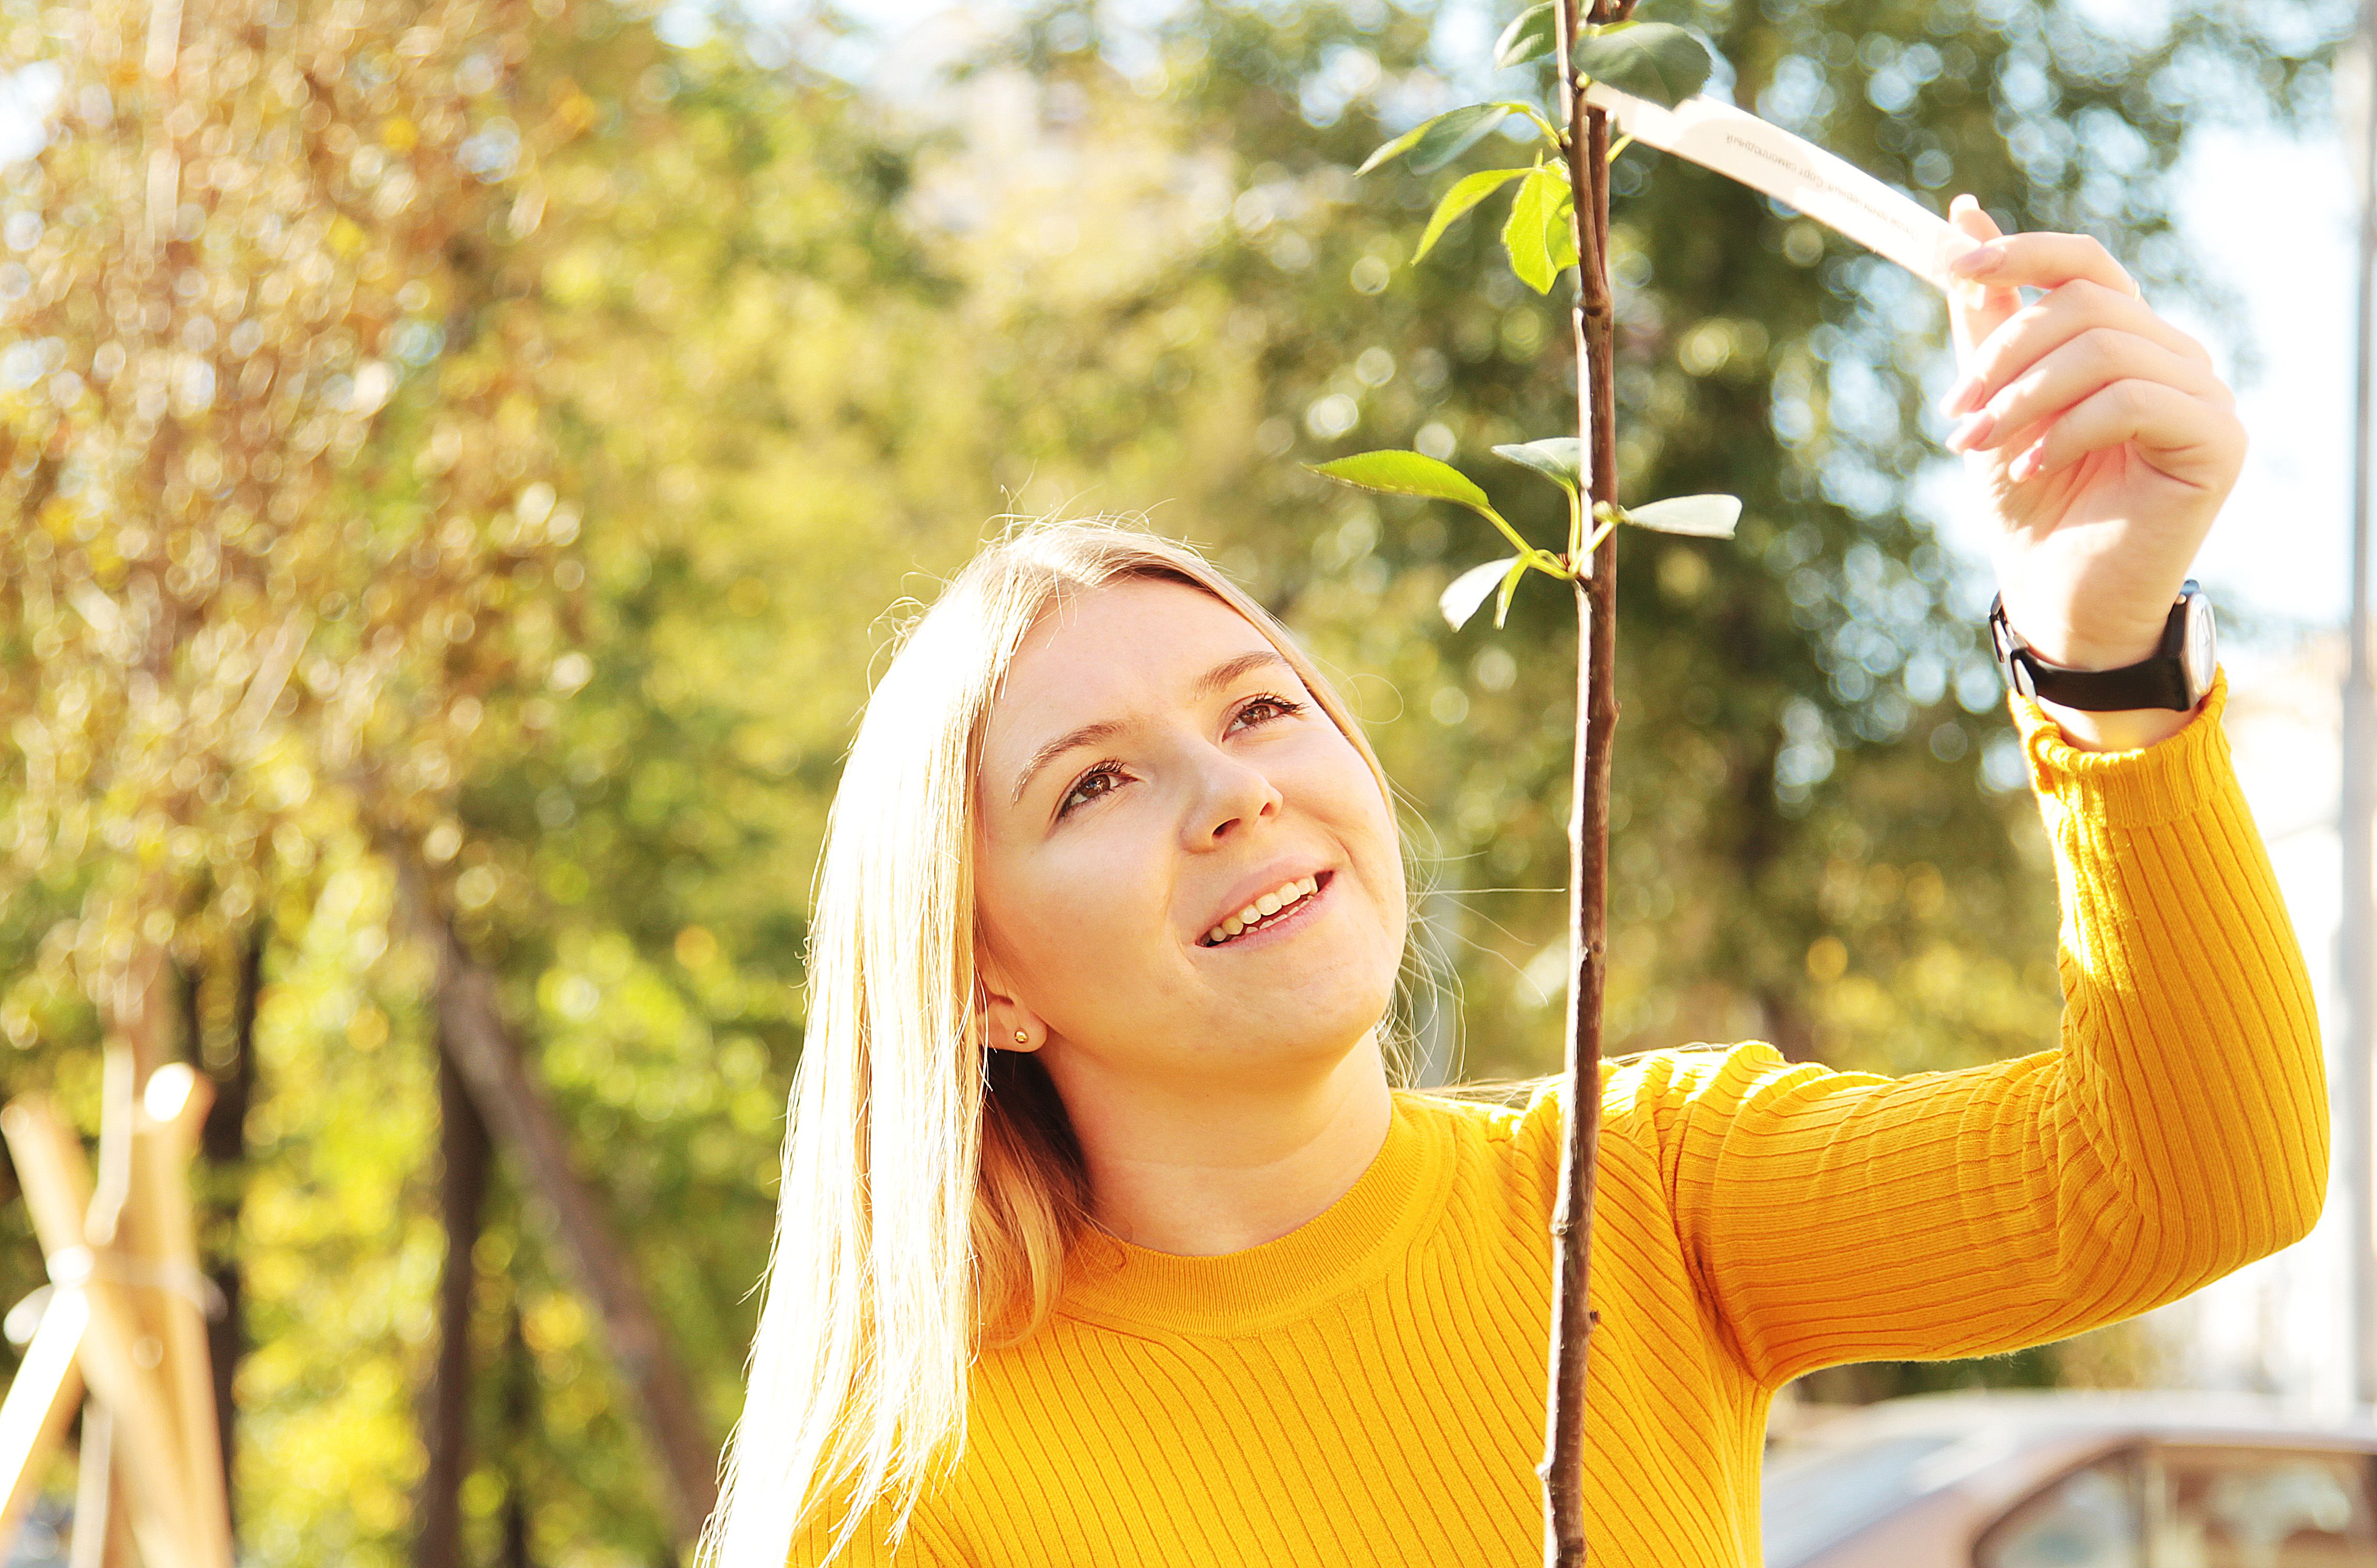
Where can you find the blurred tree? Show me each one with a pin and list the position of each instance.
(236, 629)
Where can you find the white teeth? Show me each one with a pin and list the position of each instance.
(1262, 909)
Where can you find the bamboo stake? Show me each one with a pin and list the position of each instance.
(98, 1510)
(102, 1539)
(1594, 319)
(119, 1368)
(163, 1134)
(39, 1407)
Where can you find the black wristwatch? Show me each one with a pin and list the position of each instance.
(2177, 676)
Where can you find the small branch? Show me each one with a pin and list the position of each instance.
(1594, 320)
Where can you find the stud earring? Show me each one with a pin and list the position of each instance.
(1020, 1037)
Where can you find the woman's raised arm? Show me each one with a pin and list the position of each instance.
(2180, 1131)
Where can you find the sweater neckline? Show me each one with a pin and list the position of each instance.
(1346, 1245)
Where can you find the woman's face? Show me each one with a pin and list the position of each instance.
(1153, 772)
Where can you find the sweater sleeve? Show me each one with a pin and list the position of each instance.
(2179, 1131)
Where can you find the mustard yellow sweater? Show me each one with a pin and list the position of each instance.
(1369, 1388)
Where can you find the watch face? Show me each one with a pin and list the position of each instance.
(2201, 652)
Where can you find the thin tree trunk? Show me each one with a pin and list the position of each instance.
(474, 1038)
(223, 1142)
(446, 1418)
(520, 1416)
(1595, 321)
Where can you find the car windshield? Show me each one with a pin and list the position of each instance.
(1816, 1500)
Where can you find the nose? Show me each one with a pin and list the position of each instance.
(1230, 796)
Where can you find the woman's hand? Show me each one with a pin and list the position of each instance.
(2103, 443)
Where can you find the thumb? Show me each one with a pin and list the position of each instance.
(1973, 312)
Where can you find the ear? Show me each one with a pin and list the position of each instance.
(1004, 1022)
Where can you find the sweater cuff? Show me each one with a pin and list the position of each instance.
(2139, 788)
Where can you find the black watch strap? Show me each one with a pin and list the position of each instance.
(2160, 681)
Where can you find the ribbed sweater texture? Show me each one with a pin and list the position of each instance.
(1369, 1387)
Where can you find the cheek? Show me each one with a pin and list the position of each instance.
(1076, 916)
(1337, 788)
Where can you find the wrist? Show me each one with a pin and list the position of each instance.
(2105, 649)
(2104, 692)
(2127, 729)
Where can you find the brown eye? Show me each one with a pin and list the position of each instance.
(1279, 708)
(1100, 779)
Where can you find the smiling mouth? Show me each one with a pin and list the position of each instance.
(1286, 901)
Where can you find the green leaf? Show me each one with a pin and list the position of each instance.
(1464, 594)
(1434, 143)
(1559, 232)
(1539, 215)
(1529, 37)
(1557, 458)
(1651, 60)
(1706, 517)
(1466, 193)
(1406, 473)
(1414, 473)
(1510, 586)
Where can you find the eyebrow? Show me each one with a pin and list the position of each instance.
(1226, 674)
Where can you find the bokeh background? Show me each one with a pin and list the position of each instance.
(507, 434)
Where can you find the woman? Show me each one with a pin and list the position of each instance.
(1104, 1238)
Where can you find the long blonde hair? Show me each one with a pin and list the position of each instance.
(931, 1188)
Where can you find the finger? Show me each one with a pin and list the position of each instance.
(2043, 261)
(2185, 438)
(2047, 323)
(1975, 310)
(2072, 373)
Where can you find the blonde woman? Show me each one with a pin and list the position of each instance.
(1106, 1241)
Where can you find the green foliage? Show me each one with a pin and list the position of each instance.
(1703, 517)
(1540, 234)
(1466, 193)
(1518, 568)
(1464, 594)
(1531, 36)
(1416, 473)
(1409, 474)
(1651, 60)
(1560, 459)
(1433, 143)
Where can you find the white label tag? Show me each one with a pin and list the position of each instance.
(1797, 172)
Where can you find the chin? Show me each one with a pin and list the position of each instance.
(1324, 1020)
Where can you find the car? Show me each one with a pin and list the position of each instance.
(2056, 1480)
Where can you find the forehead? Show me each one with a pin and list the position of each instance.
(1099, 653)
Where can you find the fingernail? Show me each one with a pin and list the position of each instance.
(1972, 432)
(1960, 395)
(2029, 463)
(1978, 260)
